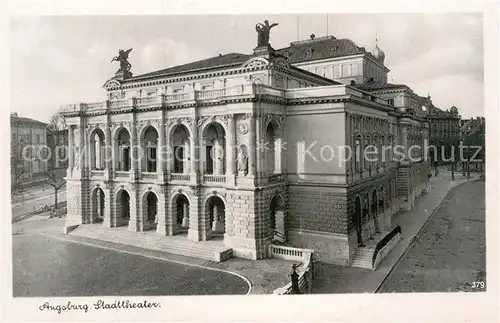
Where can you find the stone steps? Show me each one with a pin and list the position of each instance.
(149, 240)
(363, 258)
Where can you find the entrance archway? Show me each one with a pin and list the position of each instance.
(217, 211)
(181, 215)
(277, 218)
(358, 220)
(151, 211)
(122, 208)
(98, 205)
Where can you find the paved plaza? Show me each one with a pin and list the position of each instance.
(41, 263)
(450, 253)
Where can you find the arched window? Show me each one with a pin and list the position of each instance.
(357, 154)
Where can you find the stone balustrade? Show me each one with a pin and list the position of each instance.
(214, 178)
(180, 177)
(305, 270)
(215, 94)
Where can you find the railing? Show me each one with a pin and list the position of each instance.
(151, 100)
(382, 243)
(288, 253)
(96, 172)
(176, 97)
(120, 174)
(214, 178)
(97, 106)
(121, 103)
(210, 94)
(180, 177)
(305, 270)
(149, 175)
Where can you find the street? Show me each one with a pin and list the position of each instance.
(450, 253)
(36, 200)
(47, 267)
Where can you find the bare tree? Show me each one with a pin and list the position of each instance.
(57, 183)
(16, 176)
(56, 123)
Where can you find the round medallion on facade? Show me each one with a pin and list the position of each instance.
(243, 128)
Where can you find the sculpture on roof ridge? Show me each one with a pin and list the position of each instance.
(122, 57)
(263, 31)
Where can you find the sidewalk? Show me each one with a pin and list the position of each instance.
(338, 279)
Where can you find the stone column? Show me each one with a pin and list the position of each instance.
(217, 156)
(134, 171)
(230, 150)
(186, 163)
(260, 154)
(98, 205)
(71, 153)
(161, 226)
(108, 154)
(194, 153)
(168, 151)
(185, 215)
(161, 154)
(216, 217)
(251, 146)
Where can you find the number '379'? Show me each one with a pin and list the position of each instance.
(478, 285)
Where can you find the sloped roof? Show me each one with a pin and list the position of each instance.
(27, 120)
(375, 85)
(320, 48)
(217, 62)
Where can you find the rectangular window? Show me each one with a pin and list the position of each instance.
(345, 71)
(37, 139)
(354, 69)
(390, 102)
(337, 71)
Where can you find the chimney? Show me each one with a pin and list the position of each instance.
(14, 114)
(353, 82)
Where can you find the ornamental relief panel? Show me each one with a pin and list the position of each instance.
(222, 119)
(175, 121)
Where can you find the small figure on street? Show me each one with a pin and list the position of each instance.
(294, 276)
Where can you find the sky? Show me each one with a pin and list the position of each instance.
(57, 60)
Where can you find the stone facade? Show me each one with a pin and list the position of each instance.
(243, 153)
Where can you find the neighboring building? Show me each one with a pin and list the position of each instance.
(217, 179)
(58, 144)
(28, 137)
(472, 137)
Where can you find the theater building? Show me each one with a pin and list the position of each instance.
(245, 149)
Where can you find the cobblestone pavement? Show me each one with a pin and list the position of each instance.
(449, 254)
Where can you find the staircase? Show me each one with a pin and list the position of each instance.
(213, 250)
(363, 257)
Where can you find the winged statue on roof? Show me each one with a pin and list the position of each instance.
(122, 57)
(263, 31)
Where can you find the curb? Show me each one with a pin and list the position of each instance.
(424, 226)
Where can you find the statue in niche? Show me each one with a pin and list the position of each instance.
(122, 57)
(263, 31)
(242, 161)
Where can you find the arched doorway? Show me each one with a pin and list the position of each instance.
(150, 211)
(149, 147)
(98, 205)
(97, 151)
(277, 218)
(217, 211)
(181, 149)
(181, 216)
(122, 208)
(122, 154)
(213, 159)
(357, 208)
